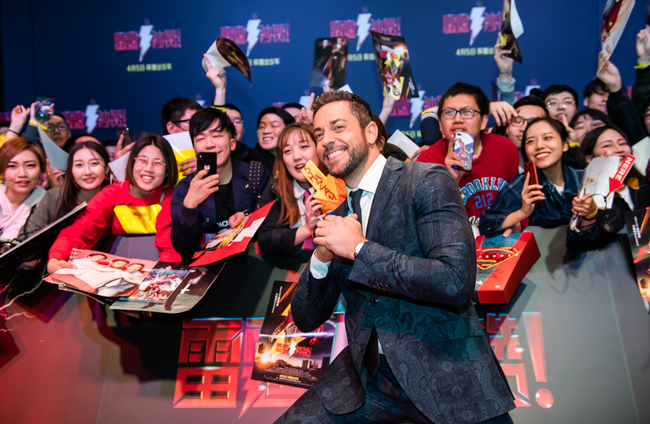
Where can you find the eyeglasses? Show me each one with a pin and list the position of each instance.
(464, 113)
(143, 161)
(58, 127)
(554, 104)
(183, 121)
(518, 121)
(237, 121)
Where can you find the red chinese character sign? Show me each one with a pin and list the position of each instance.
(503, 331)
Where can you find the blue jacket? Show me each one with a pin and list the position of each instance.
(553, 212)
(189, 225)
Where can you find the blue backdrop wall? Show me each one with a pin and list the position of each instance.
(82, 53)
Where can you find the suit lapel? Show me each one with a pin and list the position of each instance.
(388, 179)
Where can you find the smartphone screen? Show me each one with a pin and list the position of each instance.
(464, 148)
(207, 161)
(531, 168)
(44, 111)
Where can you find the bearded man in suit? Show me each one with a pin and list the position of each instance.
(401, 251)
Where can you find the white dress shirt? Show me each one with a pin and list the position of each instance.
(368, 184)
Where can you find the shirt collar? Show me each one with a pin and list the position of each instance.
(371, 178)
(298, 191)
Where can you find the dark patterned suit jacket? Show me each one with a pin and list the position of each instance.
(413, 281)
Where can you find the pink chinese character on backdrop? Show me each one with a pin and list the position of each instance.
(401, 108)
(266, 33)
(133, 40)
(158, 39)
(462, 23)
(343, 29)
(492, 22)
(118, 118)
(76, 120)
(449, 24)
(173, 38)
(126, 40)
(119, 41)
(280, 33)
(234, 33)
(393, 26)
(104, 120)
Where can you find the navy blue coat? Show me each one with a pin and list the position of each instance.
(189, 225)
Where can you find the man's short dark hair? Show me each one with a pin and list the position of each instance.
(594, 84)
(481, 99)
(381, 132)
(230, 106)
(560, 88)
(530, 101)
(292, 104)
(205, 118)
(174, 109)
(359, 108)
(281, 113)
(595, 114)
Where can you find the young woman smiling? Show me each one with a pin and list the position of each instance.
(553, 201)
(129, 207)
(290, 223)
(609, 140)
(22, 167)
(86, 173)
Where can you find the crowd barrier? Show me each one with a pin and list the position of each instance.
(574, 342)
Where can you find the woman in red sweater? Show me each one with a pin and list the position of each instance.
(129, 207)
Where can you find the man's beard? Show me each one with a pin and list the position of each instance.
(357, 156)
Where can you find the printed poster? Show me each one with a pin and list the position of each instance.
(284, 354)
(330, 62)
(394, 65)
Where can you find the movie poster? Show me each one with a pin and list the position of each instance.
(639, 238)
(394, 65)
(285, 355)
(330, 62)
(231, 241)
(615, 17)
(511, 29)
(102, 274)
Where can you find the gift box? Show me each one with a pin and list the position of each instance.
(501, 264)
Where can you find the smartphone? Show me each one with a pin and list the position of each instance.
(44, 112)
(127, 136)
(531, 168)
(207, 161)
(464, 148)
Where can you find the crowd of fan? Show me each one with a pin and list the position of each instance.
(544, 127)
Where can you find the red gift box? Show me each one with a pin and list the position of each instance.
(501, 264)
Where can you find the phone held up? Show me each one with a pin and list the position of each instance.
(531, 169)
(207, 161)
(464, 148)
(44, 111)
(127, 136)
